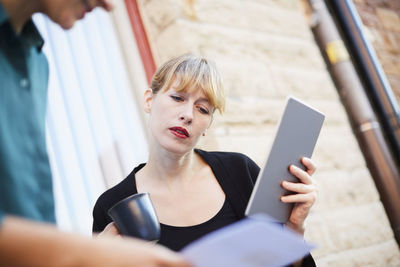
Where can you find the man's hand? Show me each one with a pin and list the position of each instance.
(27, 243)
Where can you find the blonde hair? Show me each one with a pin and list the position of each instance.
(191, 72)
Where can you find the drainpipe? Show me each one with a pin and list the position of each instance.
(364, 123)
(370, 72)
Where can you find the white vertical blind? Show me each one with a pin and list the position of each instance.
(94, 132)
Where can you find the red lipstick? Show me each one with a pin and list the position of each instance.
(179, 132)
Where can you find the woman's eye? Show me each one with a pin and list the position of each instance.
(177, 98)
(203, 110)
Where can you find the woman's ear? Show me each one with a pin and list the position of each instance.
(148, 100)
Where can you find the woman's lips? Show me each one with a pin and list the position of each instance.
(179, 132)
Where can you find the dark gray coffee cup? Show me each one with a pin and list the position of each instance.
(135, 216)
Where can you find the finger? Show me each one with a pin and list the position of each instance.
(170, 258)
(298, 187)
(309, 164)
(110, 230)
(300, 198)
(178, 263)
(302, 175)
(174, 261)
(155, 254)
(111, 227)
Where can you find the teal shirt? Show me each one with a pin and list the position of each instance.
(25, 179)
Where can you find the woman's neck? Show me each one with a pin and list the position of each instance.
(170, 167)
(20, 11)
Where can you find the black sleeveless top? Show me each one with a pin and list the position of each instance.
(176, 237)
(236, 174)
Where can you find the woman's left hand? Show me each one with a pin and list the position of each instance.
(109, 230)
(305, 194)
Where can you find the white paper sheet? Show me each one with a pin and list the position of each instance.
(251, 242)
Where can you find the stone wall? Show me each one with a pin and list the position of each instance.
(265, 51)
(381, 19)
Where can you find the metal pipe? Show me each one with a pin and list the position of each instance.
(370, 71)
(361, 115)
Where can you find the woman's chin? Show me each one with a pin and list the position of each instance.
(177, 149)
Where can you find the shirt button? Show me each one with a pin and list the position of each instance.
(24, 82)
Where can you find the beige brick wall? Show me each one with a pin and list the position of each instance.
(265, 51)
(381, 19)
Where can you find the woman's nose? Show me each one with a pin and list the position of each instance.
(187, 114)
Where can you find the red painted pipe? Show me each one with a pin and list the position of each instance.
(141, 38)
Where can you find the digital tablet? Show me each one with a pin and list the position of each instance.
(296, 136)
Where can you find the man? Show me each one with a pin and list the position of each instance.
(27, 236)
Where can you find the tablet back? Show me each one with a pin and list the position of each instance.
(296, 136)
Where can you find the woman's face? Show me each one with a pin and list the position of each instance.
(178, 119)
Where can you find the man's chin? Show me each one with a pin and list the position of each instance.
(68, 24)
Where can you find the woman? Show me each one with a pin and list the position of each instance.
(193, 191)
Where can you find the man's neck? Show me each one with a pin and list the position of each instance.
(20, 11)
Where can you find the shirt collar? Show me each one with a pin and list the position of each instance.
(3, 14)
(29, 31)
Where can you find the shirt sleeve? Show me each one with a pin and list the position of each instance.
(100, 217)
(253, 168)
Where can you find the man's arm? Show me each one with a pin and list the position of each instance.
(26, 243)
